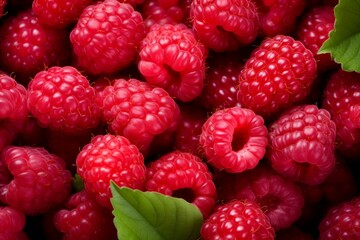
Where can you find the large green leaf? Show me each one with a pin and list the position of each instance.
(154, 216)
(344, 41)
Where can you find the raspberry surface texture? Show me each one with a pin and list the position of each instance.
(106, 36)
(35, 180)
(172, 58)
(12, 223)
(109, 157)
(183, 175)
(279, 73)
(238, 220)
(302, 144)
(62, 99)
(225, 25)
(234, 139)
(142, 113)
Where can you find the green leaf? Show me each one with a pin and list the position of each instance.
(154, 216)
(78, 183)
(344, 40)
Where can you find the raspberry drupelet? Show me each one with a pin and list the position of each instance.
(302, 144)
(234, 139)
(62, 99)
(172, 58)
(279, 73)
(109, 157)
(238, 220)
(225, 25)
(12, 224)
(144, 114)
(183, 175)
(33, 180)
(106, 37)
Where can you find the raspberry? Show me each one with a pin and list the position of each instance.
(13, 109)
(342, 221)
(83, 218)
(189, 130)
(302, 143)
(2, 6)
(225, 25)
(183, 175)
(140, 112)
(279, 199)
(26, 46)
(12, 224)
(279, 16)
(35, 180)
(238, 220)
(278, 74)
(341, 98)
(172, 58)
(106, 36)
(108, 157)
(58, 13)
(61, 98)
(234, 139)
(313, 31)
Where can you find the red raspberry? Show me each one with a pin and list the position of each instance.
(106, 36)
(13, 109)
(225, 25)
(188, 133)
(313, 31)
(108, 157)
(331, 3)
(2, 6)
(302, 144)
(279, 73)
(61, 98)
(183, 175)
(140, 112)
(12, 224)
(172, 58)
(341, 98)
(238, 220)
(35, 180)
(83, 218)
(234, 139)
(133, 3)
(26, 46)
(59, 13)
(279, 16)
(280, 199)
(342, 221)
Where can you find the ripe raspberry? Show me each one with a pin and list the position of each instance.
(35, 180)
(13, 109)
(141, 113)
(279, 73)
(302, 143)
(83, 218)
(238, 220)
(279, 16)
(172, 58)
(234, 139)
(341, 98)
(106, 36)
(108, 157)
(58, 13)
(26, 46)
(61, 98)
(183, 175)
(342, 221)
(225, 25)
(133, 3)
(313, 31)
(280, 199)
(12, 224)
(188, 133)
(2, 6)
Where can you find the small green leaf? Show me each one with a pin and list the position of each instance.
(344, 40)
(78, 183)
(153, 216)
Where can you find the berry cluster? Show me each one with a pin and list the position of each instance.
(225, 104)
